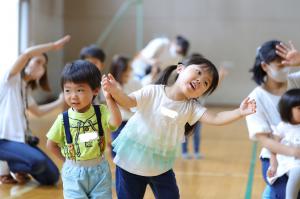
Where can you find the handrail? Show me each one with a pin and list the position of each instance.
(117, 17)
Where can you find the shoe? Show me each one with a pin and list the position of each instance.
(7, 179)
(186, 156)
(21, 178)
(198, 156)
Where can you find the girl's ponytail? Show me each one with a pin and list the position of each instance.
(165, 75)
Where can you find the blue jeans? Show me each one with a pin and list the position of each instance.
(87, 182)
(196, 137)
(278, 187)
(131, 186)
(22, 157)
(114, 135)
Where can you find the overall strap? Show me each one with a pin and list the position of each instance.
(68, 136)
(67, 127)
(100, 129)
(98, 116)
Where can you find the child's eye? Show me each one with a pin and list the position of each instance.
(199, 72)
(67, 90)
(80, 90)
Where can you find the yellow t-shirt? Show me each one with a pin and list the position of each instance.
(80, 123)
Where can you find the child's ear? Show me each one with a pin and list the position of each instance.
(180, 67)
(96, 91)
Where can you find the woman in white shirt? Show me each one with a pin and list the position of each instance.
(17, 156)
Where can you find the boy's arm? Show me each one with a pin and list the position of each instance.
(110, 85)
(55, 149)
(247, 107)
(115, 115)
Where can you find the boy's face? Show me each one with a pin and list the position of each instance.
(79, 96)
(97, 62)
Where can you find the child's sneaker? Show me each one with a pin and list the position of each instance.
(198, 156)
(186, 156)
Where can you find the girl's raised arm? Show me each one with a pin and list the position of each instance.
(34, 51)
(110, 85)
(247, 107)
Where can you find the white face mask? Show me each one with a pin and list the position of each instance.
(279, 75)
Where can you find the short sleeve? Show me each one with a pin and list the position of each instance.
(196, 113)
(257, 123)
(57, 132)
(143, 95)
(279, 129)
(105, 116)
(4, 74)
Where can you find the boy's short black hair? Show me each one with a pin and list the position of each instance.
(81, 71)
(92, 51)
(289, 99)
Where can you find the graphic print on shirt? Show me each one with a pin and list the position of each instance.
(82, 127)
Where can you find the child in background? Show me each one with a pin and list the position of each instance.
(95, 55)
(288, 133)
(77, 135)
(121, 70)
(146, 147)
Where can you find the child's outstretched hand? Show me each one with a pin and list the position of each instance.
(109, 84)
(59, 44)
(247, 107)
(289, 53)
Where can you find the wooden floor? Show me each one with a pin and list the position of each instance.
(222, 174)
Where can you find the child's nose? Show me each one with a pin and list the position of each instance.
(73, 95)
(198, 81)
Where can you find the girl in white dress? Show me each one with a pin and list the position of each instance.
(146, 147)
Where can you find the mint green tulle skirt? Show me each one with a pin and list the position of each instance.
(140, 157)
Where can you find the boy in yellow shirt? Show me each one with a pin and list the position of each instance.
(77, 135)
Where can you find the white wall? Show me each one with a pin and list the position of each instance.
(46, 25)
(228, 30)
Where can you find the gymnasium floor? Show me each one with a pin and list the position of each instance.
(222, 174)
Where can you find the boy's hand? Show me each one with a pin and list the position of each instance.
(59, 44)
(247, 107)
(289, 53)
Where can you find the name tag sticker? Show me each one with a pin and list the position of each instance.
(87, 137)
(168, 112)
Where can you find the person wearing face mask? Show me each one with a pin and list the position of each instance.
(160, 53)
(19, 153)
(271, 76)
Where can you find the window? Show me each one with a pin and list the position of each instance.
(9, 39)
